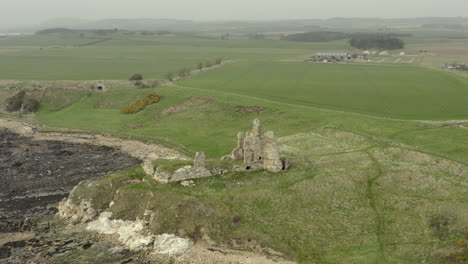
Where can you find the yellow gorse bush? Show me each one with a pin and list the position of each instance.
(140, 104)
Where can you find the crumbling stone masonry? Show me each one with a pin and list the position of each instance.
(198, 170)
(258, 152)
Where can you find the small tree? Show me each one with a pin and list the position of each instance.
(218, 61)
(200, 66)
(184, 72)
(170, 76)
(136, 77)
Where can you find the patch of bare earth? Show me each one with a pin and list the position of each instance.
(201, 253)
(192, 102)
(136, 149)
(449, 123)
(249, 109)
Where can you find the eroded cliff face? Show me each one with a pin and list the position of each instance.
(143, 219)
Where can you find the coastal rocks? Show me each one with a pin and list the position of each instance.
(134, 236)
(76, 214)
(171, 245)
(35, 175)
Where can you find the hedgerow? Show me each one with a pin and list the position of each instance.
(140, 104)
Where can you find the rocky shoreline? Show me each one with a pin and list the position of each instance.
(36, 175)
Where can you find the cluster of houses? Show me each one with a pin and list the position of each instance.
(343, 56)
(456, 66)
(338, 56)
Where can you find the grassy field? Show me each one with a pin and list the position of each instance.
(119, 58)
(212, 127)
(384, 203)
(389, 91)
(363, 188)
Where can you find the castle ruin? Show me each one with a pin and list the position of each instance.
(257, 151)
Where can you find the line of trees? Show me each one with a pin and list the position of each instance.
(316, 36)
(386, 41)
(184, 72)
(376, 41)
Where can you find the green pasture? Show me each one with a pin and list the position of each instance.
(349, 198)
(117, 59)
(212, 127)
(368, 183)
(389, 91)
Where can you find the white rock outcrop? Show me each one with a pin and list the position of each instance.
(77, 213)
(135, 237)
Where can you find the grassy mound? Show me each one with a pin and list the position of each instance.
(383, 203)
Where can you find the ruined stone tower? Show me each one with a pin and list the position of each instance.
(257, 151)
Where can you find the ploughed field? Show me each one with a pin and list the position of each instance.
(36, 175)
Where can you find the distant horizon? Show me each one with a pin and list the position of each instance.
(21, 13)
(85, 20)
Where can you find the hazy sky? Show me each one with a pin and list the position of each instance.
(27, 12)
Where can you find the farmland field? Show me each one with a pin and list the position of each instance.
(64, 59)
(399, 92)
(369, 183)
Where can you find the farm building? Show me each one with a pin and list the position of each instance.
(456, 66)
(337, 56)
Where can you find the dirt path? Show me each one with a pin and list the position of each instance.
(203, 254)
(136, 149)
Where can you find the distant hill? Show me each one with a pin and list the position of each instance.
(251, 27)
(186, 25)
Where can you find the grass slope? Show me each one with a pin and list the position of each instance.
(212, 127)
(348, 199)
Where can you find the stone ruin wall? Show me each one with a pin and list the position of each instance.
(257, 151)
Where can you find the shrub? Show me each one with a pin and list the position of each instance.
(218, 60)
(184, 72)
(14, 103)
(170, 76)
(136, 77)
(200, 66)
(140, 104)
(30, 105)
